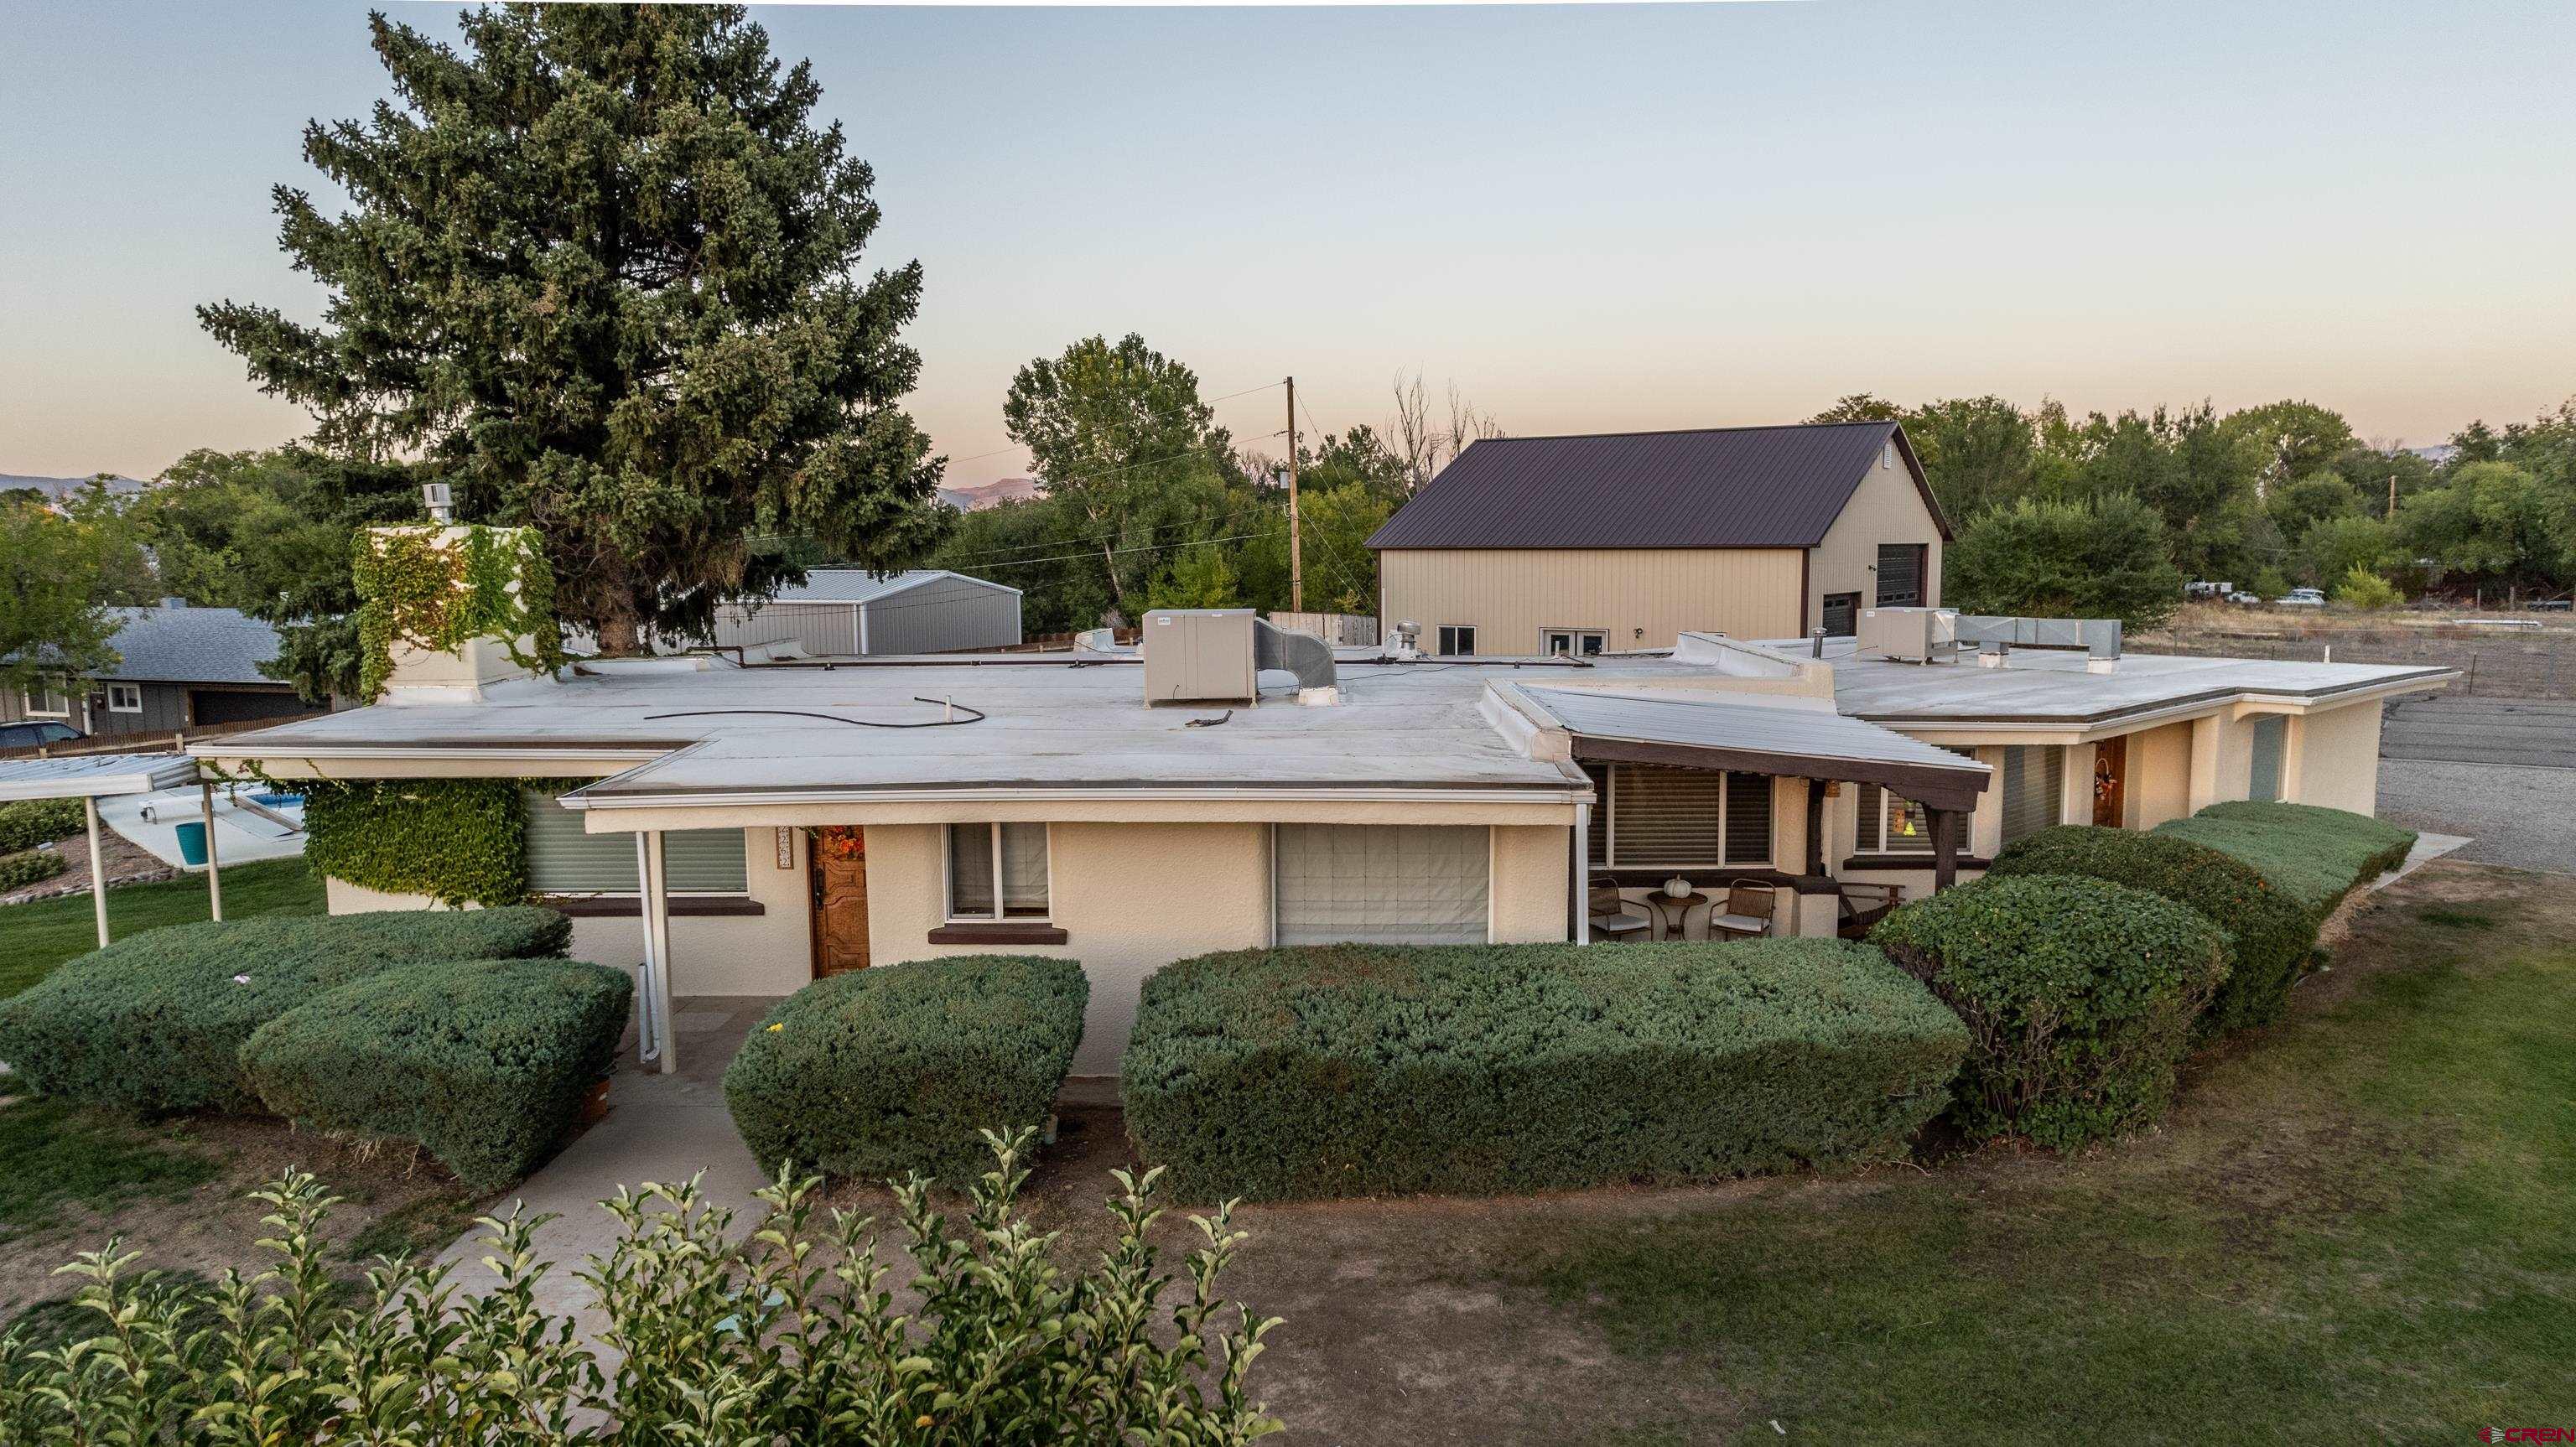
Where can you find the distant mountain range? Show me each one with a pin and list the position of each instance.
(990, 494)
(57, 486)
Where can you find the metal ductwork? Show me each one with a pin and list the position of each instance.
(1303, 654)
(2098, 637)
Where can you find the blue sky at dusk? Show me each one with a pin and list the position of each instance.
(1592, 218)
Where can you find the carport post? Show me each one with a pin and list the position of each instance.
(214, 871)
(97, 868)
(657, 950)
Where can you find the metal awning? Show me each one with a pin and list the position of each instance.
(1700, 731)
(91, 776)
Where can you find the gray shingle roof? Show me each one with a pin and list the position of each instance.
(1730, 487)
(191, 645)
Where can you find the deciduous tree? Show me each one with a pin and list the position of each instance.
(2100, 558)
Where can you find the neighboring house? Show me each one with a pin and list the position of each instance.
(1615, 542)
(180, 667)
(852, 613)
(1036, 803)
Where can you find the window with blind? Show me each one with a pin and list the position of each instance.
(564, 860)
(1652, 817)
(997, 871)
(2271, 735)
(1413, 884)
(1890, 825)
(2033, 788)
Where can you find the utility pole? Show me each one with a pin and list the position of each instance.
(2391, 515)
(1296, 552)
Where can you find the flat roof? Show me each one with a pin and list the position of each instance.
(2051, 687)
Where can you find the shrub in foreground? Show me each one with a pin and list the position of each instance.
(32, 866)
(2316, 856)
(785, 1333)
(156, 1022)
(484, 1063)
(881, 1071)
(1351, 1070)
(2269, 934)
(2079, 995)
(26, 823)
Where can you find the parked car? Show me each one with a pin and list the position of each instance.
(2302, 598)
(29, 735)
(2243, 599)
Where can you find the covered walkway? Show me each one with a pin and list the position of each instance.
(92, 777)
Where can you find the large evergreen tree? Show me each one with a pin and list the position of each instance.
(601, 269)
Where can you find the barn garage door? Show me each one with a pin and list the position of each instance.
(1381, 884)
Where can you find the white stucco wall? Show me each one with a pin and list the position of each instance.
(769, 953)
(2338, 758)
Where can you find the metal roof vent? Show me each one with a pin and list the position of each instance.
(1303, 654)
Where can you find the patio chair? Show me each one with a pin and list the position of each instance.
(1613, 916)
(1748, 912)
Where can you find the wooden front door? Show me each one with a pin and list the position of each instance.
(840, 880)
(2110, 780)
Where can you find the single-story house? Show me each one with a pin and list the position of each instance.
(179, 667)
(747, 829)
(1617, 542)
(853, 613)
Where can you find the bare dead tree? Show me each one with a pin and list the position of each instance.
(1421, 445)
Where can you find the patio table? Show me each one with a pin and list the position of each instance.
(1674, 910)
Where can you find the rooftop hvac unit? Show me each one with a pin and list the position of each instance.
(1909, 635)
(1199, 655)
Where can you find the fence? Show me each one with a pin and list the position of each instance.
(2524, 665)
(174, 742)
(1343, 630)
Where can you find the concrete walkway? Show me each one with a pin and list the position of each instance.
(659, 1128)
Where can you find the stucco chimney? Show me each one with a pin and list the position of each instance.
(448, 610)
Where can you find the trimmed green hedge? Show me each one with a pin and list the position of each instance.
(880, 1072)
(156, 1022)
(483, 1062)
(2079, 995)
(2316, 856)
(2269, 934)
(459, 841)
(1353, 1070)
(26, 823)
(32, 866)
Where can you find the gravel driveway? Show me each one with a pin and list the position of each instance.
(2501, 771)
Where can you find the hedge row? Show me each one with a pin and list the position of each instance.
(1350, 1070)
(483, 1062)
(877, 1073)
(2315, 856)
(156, 1022)
(2269, 934)
(32, 866)
(26, 823)
(2080, 996)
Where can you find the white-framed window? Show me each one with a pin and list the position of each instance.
(125, 698)
(997, 871)
(1457, 640)
(1573, 642)
(2271, 739)
(1412, 884)
(2034, 788)
(1650, 817)
(46, 700)
(563, 858)
(1890, 825)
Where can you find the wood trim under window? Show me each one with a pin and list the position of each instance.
(998, 932)
(624, 906)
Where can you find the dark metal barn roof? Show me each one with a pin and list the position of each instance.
(1728, 487)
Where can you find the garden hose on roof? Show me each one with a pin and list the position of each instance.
(951, 705)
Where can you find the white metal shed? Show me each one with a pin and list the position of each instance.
(852, 613)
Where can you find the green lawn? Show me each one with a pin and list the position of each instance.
(50, 931)
(2361, 1223)
(59, 1155)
